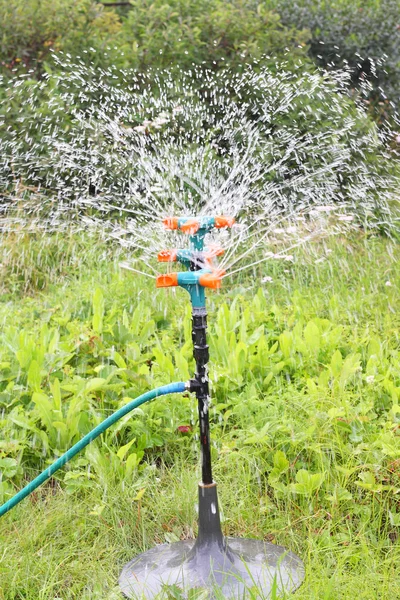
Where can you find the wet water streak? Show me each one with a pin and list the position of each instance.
(280, 151)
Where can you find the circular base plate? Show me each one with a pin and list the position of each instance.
(239, 565)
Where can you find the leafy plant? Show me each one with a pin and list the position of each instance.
(362, 33)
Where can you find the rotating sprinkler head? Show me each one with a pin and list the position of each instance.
(217, 564)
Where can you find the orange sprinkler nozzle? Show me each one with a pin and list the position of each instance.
(212, 280)
(167, 255)
(171, 223)
(167, 280)
(214, 250)
(224, 222)
(191, 226)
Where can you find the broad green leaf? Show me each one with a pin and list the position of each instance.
(44, 408)
(124, 449)
(131, 464)
(307, 483)
(280, 461)
(34, 376)
(241, 356)
(286, 343)
(140, 494)
(53, 344)
(394, 519)
(98, 310)
(267, 380)
(336, 363)
(56, 391)
(312, 337)
(119, 361)
(350, 366)
(95, 384)
(8, 468)
(256, 335)
(182, 365)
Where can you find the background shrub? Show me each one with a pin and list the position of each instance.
(31, 29)
(359, 32)
(152, 33)
(211, 32)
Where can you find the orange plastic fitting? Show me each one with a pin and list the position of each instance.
(223, 222)
(214, 250)
(191, 226)
(212, 280)
(167, 255)
(169, 280)
(171, 223)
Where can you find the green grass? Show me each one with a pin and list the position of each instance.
(306, 450)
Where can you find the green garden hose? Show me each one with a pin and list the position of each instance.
(172, 388)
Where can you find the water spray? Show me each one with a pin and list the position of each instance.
(212, 561)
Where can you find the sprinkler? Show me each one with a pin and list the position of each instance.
(222, 565)
(213, 562)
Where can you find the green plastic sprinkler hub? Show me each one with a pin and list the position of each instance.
(197, 259)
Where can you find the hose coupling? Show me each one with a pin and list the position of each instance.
(193, 385)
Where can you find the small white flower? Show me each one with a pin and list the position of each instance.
(370, 378)
(388, 284)
(266, 279)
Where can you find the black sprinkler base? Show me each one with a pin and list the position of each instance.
(225, 567)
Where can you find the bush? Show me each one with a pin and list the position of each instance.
(31, 29)
(152, 33)
(362, 33)
(210, 32)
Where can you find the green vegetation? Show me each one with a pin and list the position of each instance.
(209, 32)
(305, 353)
(305, 418)
(362, 33)
(153, 33)
(215, 33)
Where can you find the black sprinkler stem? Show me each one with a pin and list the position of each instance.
(200, 386)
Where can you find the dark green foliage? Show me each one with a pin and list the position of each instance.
(151, 33)
(363, 33)
(31, 29)
(210, 32)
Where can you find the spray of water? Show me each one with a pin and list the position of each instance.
(289, 154)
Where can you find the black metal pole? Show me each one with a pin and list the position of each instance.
(201, 388)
